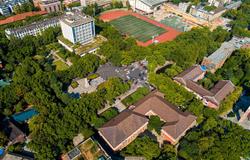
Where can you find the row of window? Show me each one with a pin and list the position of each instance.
(31, 32)
(52, 8)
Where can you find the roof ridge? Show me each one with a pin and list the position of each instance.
(228, 81)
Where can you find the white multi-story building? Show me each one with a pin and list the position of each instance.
(146, 6)
(183, 6)
(77, 27)
(32, 29)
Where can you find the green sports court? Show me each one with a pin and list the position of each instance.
(176, 23)
(137, 28)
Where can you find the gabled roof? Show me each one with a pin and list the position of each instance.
(197, 88)
(191, 73)
(222, 89)
(13, 132)
(177, 122)
(219, 92)
(129, 121)
(122, 126)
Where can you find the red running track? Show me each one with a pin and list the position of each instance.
(170, 35)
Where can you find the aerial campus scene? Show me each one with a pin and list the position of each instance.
(124, 79)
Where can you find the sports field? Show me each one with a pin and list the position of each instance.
(137, 28)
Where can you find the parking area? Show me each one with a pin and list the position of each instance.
(136, 72)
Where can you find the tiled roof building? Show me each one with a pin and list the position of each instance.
(211, 98)
(123, 129)
(15, 135)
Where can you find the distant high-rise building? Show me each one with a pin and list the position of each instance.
(77, 27)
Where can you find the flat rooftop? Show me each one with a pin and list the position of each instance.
(76, 18)
(227, 49)
(153, 2)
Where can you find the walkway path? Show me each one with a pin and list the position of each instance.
(54, 53)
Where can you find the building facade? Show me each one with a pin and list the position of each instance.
(146, 6)
(200, 12)
(77, 27)
(32, 29)
(49, 5)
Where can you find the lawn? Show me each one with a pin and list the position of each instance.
(137, 28)
(60, 66)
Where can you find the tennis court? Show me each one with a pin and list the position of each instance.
(176, 23)
(137, 28)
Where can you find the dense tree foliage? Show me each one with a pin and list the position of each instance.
(216, 139)
(94, 9)
(26, 7)
(155, 124)
(149, 149)
(140, 147)
(241, 19)
(61, 117)
(3, 139)
(228, 103)
(36, 82)
(195, 45)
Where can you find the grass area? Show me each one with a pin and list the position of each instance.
(137, 28)
(74, 84)
(65, 41)
(60, 66)
(210, 8)
(98, 40)
(93, 76)
(137, 95)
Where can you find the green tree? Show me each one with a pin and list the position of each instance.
(3, 139)
(140, 147)
(155, 124)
